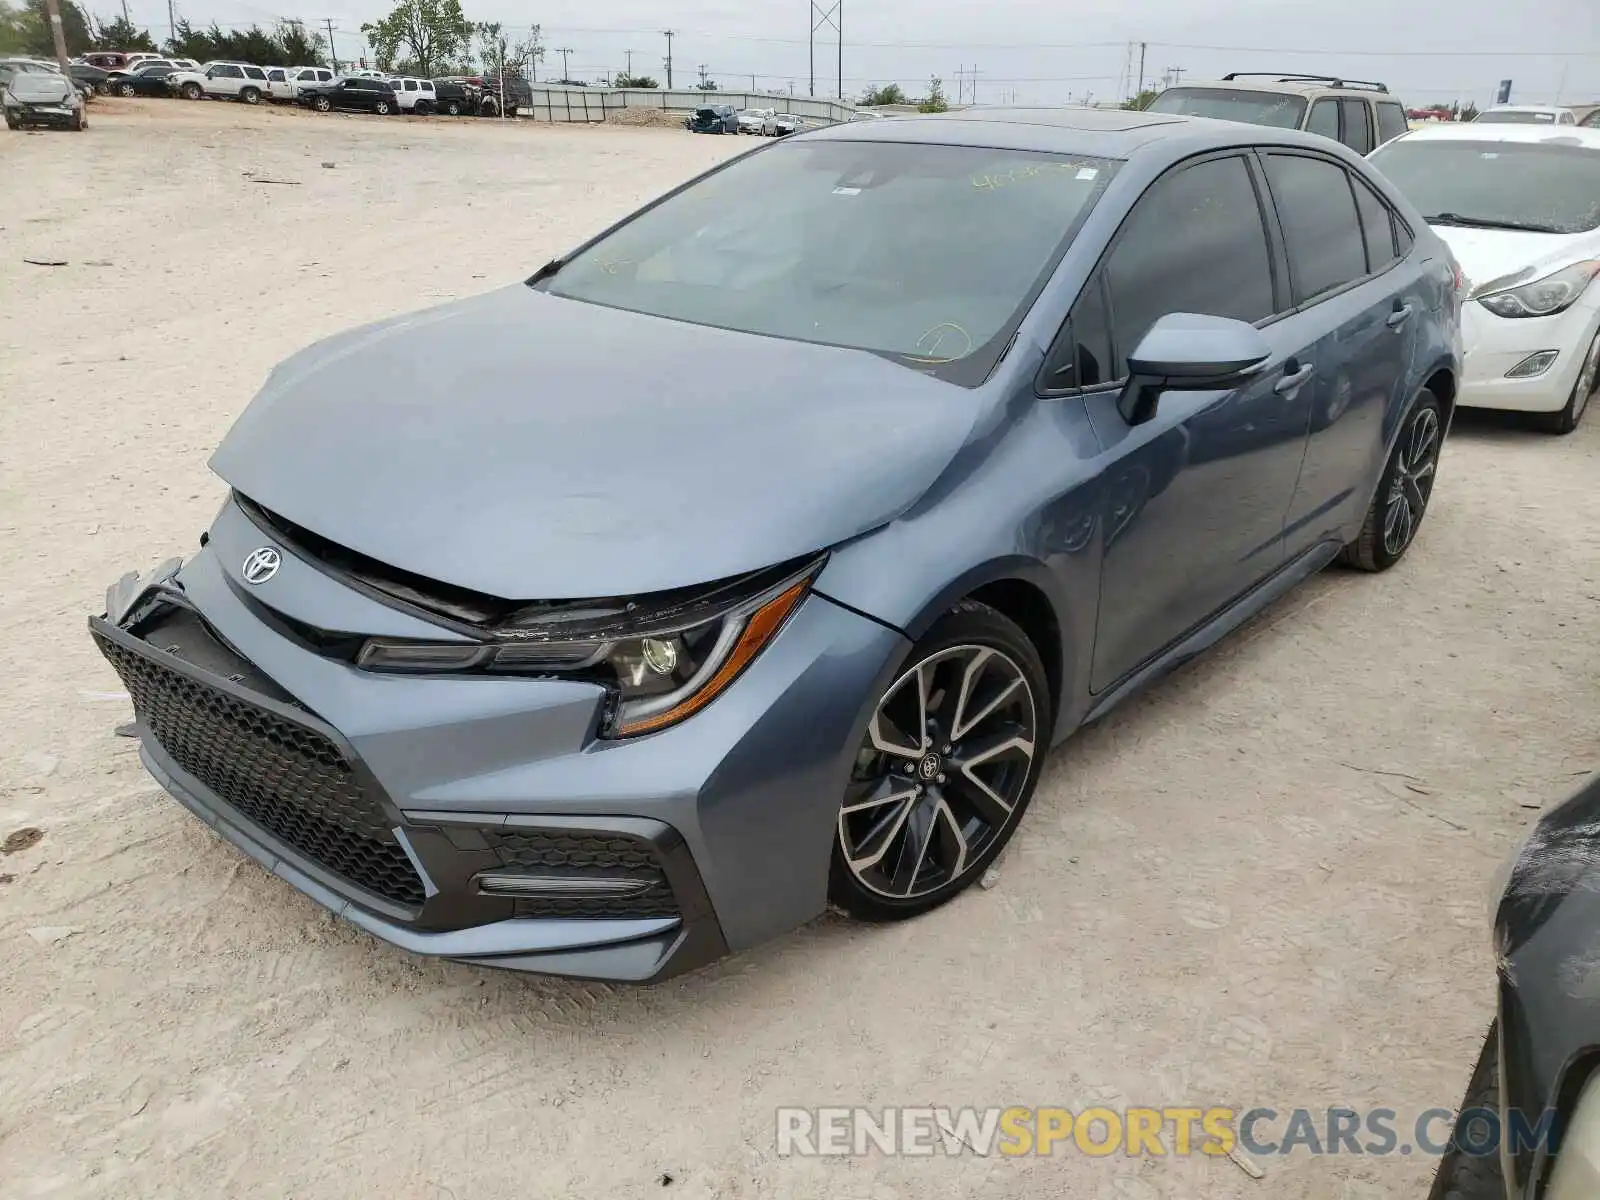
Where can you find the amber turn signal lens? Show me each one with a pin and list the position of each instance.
(762, 626)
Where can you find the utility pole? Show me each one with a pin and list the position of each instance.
(1141, 70)
(703, 68)
(752, 83)
(564, 51)
(1177, 74)
(172, 22)
(332, 53)
(840, 7)
(818, 20)
(126, 20)
(668, 33)
(58, 36)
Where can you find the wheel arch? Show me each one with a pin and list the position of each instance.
(1022, 589)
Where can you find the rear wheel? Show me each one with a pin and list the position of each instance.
(1566, 419)
(1403, 490)
(422, 108)
(127, 89)
(250, 95)
(946, 767)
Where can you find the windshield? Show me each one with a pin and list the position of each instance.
(1233, 104)
(928, 254)
(1515, 118)
(1542, 186)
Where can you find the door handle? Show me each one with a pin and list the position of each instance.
(1398, 317)
(1292, 381)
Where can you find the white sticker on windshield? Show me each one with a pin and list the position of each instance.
(1086, 173)
(846, 191)
(1489, 154)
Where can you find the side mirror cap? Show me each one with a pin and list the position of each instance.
(1189, 351)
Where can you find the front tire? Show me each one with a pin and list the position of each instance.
(1403, 492)
(1463, 1176)
(382, 108)
(127, 90)
(322, 104)
(947, 765)
(192, 91)
(453, 107)
(1566, 419)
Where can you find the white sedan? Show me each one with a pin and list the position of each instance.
(1519, 206)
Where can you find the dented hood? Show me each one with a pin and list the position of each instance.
(531, 447)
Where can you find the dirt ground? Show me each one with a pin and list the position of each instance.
(1263, 883)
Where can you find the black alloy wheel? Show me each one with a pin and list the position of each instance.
(945, 769)
(321, 103)
(1401, 501)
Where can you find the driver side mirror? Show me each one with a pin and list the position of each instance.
(1189, 352)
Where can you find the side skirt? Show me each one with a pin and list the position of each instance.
(1289, 576)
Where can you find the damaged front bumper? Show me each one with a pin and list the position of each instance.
(481, 819)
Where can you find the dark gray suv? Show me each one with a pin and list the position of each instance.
(754, 554)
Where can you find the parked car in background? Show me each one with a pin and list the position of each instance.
(21, 64)
(1525, 114)
(414, 95)
(782, 125)
(751, 120)
(33, 98)
(451, 97)
(1359, 113)
(106, 60)
(715, 118)
(351, 93)
(90, 78)
(149, 80)
(1519, 205)
(304, 77)
(222, 81)
(1529, 1122)
(489, 764)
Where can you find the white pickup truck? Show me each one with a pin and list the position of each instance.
(284, 83)
(221, 81)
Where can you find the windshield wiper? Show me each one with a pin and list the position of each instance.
(1454, 218)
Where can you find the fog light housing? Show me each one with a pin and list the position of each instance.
(1534, 365)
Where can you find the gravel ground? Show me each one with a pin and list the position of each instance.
(1261, 883)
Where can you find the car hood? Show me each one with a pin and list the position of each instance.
(531, 447)
(39, 87)
(1490, 254)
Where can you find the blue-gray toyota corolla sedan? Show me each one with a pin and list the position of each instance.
(753, 555)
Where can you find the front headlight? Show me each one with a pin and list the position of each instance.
(1542, 297)
(661, 658)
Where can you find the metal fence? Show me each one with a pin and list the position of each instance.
(593, 103)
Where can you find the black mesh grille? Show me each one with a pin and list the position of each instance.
(288, 779)
(588, 855)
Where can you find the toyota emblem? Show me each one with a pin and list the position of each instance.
(261, 565)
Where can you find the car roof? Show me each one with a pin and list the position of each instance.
(1098, 132)
(1278, 87)
(1471, 131)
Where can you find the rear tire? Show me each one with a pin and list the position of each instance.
(453, 107)
(127, 90)
(1565, 420)
(422, 108)
(250, 95)
(1463, 1176)
(1404, 489)
(918, 824)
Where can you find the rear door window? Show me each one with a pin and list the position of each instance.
(1324, 119)
(1377, 225)
(1320, 228)
(255, 73)
(1194, 243)
(1391, 121)
(1357, 125)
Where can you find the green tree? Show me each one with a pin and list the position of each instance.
(634, 81)
(1143, 100)
(119, 33)
(33, 29)
(494, 48)
(935, 103)
(529, 52)
(433, 32)
(1469, 112)
(889, 93)
(300, 47)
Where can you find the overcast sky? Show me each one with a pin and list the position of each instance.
(1425, 50)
